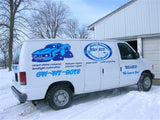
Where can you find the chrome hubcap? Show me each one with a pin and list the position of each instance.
(61, 98)
(147, 82)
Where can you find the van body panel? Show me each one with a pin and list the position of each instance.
(91, 68)
(110, 69)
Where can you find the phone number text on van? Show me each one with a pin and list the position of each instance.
(58, 73)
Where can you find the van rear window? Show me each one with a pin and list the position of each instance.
(16, 55)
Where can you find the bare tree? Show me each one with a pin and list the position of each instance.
(73, 30)
(49, 20)
(83, 32)
(4, 51)
(12, 22)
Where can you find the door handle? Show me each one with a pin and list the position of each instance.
(103, 70)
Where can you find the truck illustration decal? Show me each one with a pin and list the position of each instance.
(97, 51)
(55, 52)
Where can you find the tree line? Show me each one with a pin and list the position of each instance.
(27, 19)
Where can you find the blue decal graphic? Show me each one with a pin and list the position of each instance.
(55, 51)
(97, 51)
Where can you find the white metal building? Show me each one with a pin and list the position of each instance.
(138, 23)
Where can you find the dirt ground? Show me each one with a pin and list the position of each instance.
(156, 82)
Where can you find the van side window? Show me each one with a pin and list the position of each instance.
(126, 52)
(16, 55)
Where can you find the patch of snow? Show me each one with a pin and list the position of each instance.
(7, 99)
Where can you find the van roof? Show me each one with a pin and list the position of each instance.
(30, 40)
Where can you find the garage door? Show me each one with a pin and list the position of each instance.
(151, 51)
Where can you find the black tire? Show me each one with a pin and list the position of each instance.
(145, 82)
(59, 97)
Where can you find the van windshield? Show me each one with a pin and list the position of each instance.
(16, 55)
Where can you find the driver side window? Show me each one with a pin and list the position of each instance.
(126, 52)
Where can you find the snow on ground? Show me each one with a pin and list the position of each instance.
(118, 104)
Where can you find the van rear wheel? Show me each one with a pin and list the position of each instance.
(145, 82)
(59, 97)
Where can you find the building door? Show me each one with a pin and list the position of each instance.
(151, 51)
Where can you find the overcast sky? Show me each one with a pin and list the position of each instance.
(88, 11)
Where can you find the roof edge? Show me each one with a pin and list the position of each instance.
(91, 26)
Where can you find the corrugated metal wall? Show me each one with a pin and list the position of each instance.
(139, 18)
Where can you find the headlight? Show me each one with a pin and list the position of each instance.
(34, 56)
(46, 55)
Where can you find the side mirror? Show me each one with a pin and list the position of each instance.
(137, 55)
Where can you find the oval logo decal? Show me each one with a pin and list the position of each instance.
(97, 51)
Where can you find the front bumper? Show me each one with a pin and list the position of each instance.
(21, 97)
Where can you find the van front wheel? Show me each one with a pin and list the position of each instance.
(145, 82)
(59, 97)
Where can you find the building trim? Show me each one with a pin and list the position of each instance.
(134, 37)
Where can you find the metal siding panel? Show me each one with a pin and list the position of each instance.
(143, 26)
(158, 11)
(131, 22)
(121, 27)
(100, 30)
(139, 18)
(153, 15)
(108, 28)
(115, 25)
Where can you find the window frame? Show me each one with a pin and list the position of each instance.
(133, 51)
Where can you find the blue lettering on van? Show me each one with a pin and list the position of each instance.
(97, 51)
(130, 66)
(55, 52)
(93, 49)
(43, 74)
(130, 73)
(58, 73)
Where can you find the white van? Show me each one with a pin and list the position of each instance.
(56, 70)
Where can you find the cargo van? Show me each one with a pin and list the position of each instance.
(56, 70)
